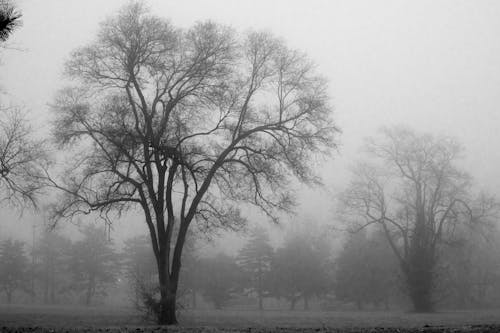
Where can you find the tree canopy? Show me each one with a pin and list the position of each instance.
(187, 124)
(414, 190)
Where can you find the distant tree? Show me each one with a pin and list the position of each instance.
(13, 268)
(470, 271)
(418, 196)
(365, 270)
(140, 266)
(300, 269)
(187, 125)
(93, 263)
(255, 259)
(221, 279)
(10, 19)
(51, 257)
(191, 279)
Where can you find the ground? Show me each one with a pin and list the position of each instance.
(57, 319)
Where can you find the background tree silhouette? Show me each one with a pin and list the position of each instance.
(255, 258)
(418, 196)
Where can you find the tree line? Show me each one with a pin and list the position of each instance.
(304, 268)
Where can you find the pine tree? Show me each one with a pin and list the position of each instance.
(255, 260)
(13, 268)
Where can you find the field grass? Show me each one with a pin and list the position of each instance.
(64, 318)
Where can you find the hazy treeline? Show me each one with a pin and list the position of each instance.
(303, 272)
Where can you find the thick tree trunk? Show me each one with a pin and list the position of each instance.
(306, 303)
(420, 269)
(168, 294)
(9, 296)
(420, 281)
(167, 315)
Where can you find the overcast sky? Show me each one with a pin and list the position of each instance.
(432, 65)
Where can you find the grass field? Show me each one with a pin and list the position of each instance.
(59, 318)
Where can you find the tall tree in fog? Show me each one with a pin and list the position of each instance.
(187, 125)
(13, 268)
(255, 259)
(418, 196)
(93, 264)
(300, 269)
(470, 271)
(365, 270)
(191, 279)
(51, 257)
(221, 279)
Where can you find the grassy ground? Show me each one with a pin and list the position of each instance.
(64, 319)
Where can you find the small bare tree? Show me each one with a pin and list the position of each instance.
(22, 159)
(419, 197)
(187, 124)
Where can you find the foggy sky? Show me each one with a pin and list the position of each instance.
(431, 65)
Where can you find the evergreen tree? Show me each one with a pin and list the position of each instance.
(300, 268)
(93, 263)
(13, 268)
(51, 256)
(255, 260)
(366, 270)
(222, 278)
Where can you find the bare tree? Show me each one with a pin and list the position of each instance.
(187, 124)
(419, 197)
(21, 154)
(22, 159)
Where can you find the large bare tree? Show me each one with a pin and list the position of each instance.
(414, 190)
(187, 125)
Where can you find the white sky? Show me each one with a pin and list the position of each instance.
(432, 65)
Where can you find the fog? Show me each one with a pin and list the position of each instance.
(429, 66)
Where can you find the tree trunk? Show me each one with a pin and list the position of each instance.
(292, 303)
(9, 296)
(167, 315)
(306, 303)
(90, 287)
(46, 286)
(420, 284)
(259, 286)
(193, 298)
(359, 305)
(419, 272)
(168, 290)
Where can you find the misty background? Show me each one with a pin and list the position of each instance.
(429, 65)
